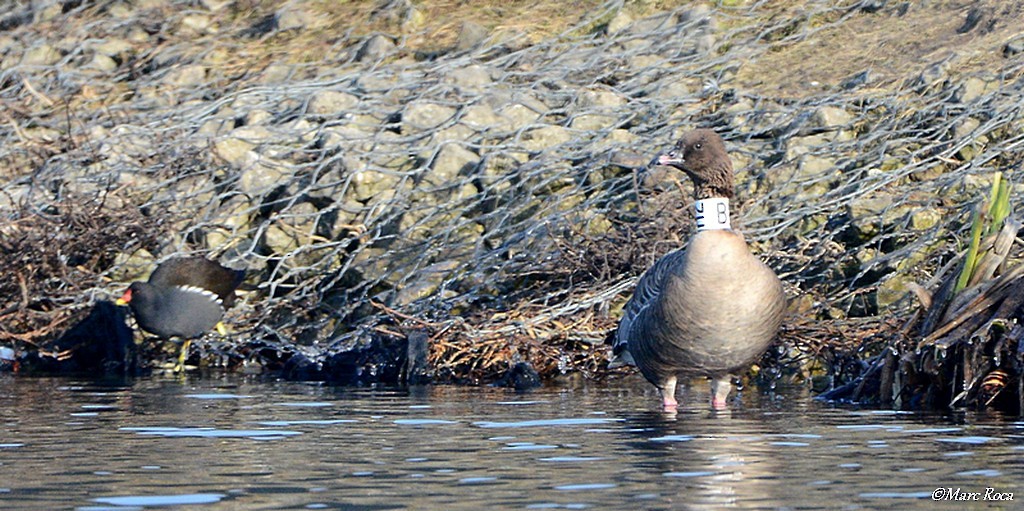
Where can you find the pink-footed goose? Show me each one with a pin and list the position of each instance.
(709, 309)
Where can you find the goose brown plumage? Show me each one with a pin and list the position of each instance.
(711, 308)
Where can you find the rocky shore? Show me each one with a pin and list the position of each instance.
(479, 176)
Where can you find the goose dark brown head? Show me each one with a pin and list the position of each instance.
(701, 155)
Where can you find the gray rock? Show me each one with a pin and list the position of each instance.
(596, 109)
(892, 289)
(259, 174)
(287, 233)
(187, 76)
(470, 36)
(216, 5)
(857, 80)
(132, 266)
(598, 98)
(924, 218)
(102, 63)
(452, 160)
(421, 115)
(831, 118)
(699, 14)
(375, 48)
(973, 88)
(705, 43)
(621, 21)
(869, 214)
(1014, 46)
(472, 77)
(46, 10)
(479, 117)
(518, 115)
(428, 281)
(113, 47)
(346, 136)
(331, 103)
(593, 122)
(196, 24)
(545, 137)
(934, 73)
(41, 55)
(293, 17)
(257, 117)
(229, 221)
(368, 183)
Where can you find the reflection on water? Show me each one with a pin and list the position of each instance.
(238, 444)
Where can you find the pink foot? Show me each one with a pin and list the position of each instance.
(669, 404)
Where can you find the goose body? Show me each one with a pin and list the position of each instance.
(709, 309)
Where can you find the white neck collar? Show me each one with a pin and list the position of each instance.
(712, 214)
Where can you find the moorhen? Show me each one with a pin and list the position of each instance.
(709, 309)
(184, 298)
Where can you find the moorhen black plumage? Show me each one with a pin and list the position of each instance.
(184, 298)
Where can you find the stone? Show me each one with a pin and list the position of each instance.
(102, 63)
(545, 137)
(216, 5)
(41, 55)
(479, 117)
(1014, 47)
(46, 11)
(518, 116)
(229, 222)
(331, 103)
(113, 47)
(375, 48)
(699, 15)
(925, 218)
(289, 232)
(196, 24)
(869, 214)
(346, 136)
(187, 76)
(293, 17)
(452, 160)
(596, 109)
(857, 80)
(277, 73)
(934, 73)
(472, 77)
(470, 36)
(621, 21)
(973, 88)
(129, 267)
(420, 116)
(368, 183)
(257, 117)
(428, 280)
(705, 43)
(831, 118)
(892, 289)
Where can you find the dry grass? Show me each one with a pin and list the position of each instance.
(892, 46)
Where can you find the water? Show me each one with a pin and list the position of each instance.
(239, 444)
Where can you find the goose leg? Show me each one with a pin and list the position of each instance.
(668, 394)
(720, 388)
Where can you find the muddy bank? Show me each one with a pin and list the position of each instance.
(485, 182)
